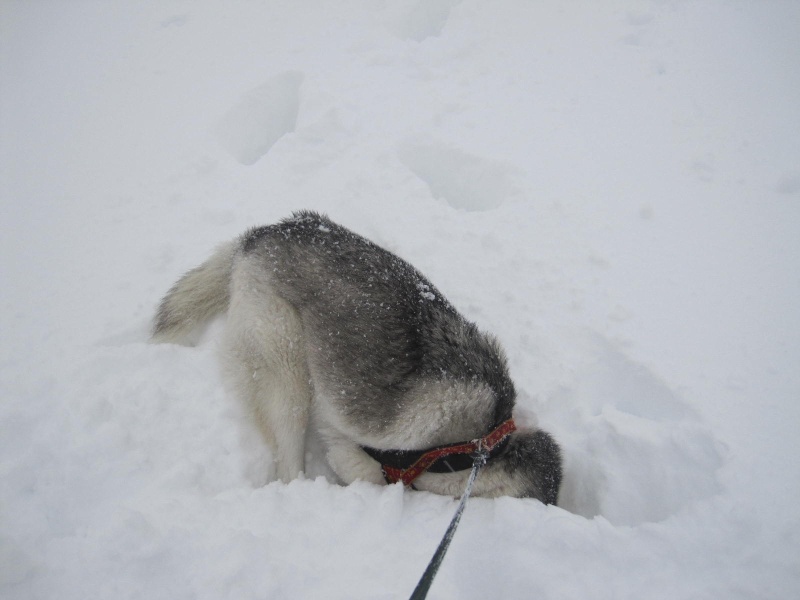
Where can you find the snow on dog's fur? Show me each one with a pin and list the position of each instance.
(321, 320)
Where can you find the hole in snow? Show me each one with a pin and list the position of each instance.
(634, 451)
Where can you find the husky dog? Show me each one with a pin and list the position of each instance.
(323, 323)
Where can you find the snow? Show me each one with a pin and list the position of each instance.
(612, 188)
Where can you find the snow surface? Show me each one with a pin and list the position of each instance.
(612, 188)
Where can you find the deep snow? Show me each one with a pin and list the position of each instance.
(612, 188)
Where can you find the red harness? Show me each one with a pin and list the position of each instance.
(483, 445)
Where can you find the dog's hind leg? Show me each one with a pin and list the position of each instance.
(266, 359)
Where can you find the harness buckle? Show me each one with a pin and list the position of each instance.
(480, 454)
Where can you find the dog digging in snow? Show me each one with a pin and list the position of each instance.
(325, 327)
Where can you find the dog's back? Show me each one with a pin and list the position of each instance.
(376, 328)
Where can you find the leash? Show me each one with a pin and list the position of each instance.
(421, 591)
(406, 465)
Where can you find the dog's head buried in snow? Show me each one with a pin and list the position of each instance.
(324, 325)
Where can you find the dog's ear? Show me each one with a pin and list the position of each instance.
(535, 458)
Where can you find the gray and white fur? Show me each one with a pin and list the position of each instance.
(322, 321)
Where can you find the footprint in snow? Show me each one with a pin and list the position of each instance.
(426, 18)
(464, 181)
(261, 117)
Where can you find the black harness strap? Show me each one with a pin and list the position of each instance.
(454, 457)
(402, 459)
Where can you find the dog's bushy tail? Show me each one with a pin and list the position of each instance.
(196, 298)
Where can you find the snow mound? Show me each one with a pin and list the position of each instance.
(262, 117)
